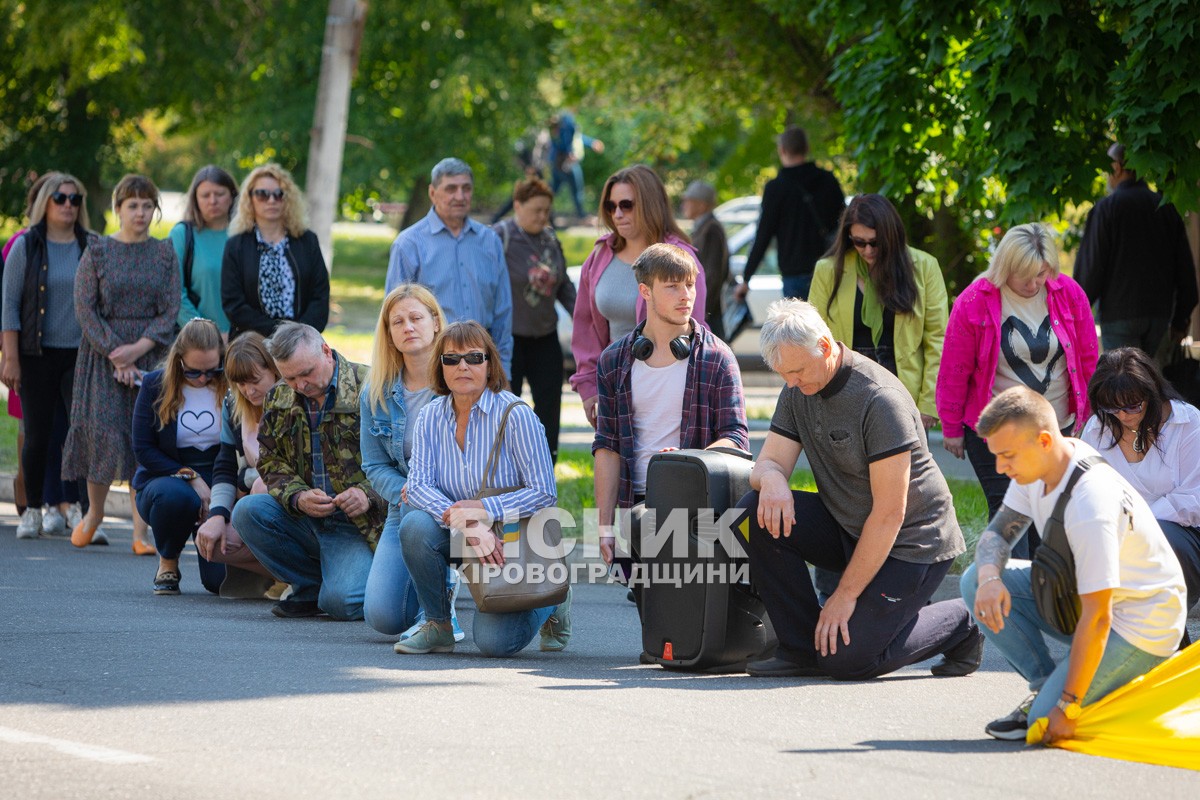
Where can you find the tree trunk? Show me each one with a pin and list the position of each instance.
(418, 202)
(339, 57)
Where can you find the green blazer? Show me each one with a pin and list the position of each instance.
(918, 336)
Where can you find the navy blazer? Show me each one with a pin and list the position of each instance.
(156, 450)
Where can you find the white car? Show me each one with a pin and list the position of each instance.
(740, 218)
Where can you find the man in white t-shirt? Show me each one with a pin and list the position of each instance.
(669, 384)
(1130, 583)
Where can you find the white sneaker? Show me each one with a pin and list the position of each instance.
(53, 522)
(74, 516)
(30, 525)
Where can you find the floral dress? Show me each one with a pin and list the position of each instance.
(122, 293)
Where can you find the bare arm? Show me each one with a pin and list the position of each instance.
(607, 479)
(770, 476)
(1087, 648)
(889, 502)
(992, 600)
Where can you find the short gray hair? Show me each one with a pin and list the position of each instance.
(448, 167)
(290, 337)
(791, 322)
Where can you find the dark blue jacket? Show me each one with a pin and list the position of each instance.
(156, 450)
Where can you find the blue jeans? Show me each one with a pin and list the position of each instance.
(797, 286)
(171, 508)
(390, 605)
(573, 177)
(326, 560)
(1023, 643)
(1144, 332)
(426, 548)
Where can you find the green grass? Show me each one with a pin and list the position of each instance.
(8, 444)
(574, 475)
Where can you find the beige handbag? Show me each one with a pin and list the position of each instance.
(534, 574)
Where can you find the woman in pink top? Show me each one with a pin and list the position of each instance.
(1021, 323)
(634, 206)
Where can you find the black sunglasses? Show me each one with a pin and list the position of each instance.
(474, 359)
(194, 374)
(863, 244)
(624, 205)
(62, 198)
(1133, 409)
(269, 194)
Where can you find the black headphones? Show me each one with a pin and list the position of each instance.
(643, 346)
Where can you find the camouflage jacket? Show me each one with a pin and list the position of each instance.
(285, 460)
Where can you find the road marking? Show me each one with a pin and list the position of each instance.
(104, 755)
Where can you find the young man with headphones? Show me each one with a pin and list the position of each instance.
(669, 384)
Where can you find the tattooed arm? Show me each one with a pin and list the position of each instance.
(992, 600)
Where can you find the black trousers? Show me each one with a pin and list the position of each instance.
(47, 382)
(892, 626)
(539, 360)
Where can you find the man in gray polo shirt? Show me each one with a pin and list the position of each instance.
(882, 516)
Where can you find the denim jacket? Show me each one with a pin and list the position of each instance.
(382, 442)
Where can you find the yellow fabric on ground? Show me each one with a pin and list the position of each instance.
(1155, 719)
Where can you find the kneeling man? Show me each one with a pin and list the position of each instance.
(1130, 583)
(882, 516)
(318, 526)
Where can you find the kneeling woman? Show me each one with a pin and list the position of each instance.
(176, 438)
(454, 437)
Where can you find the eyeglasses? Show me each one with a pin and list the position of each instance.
(62, 198)
(474, 358)
(624, 205)
(863, 244)
(1133, 409)
(269, 194)
(196, 374)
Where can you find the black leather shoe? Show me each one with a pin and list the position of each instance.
(294, 609)
(166, 583)
(782, 668)
(962, 659)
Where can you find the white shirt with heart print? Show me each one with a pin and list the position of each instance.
(199, 422)
(1030, 352)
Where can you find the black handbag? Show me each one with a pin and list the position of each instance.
(1053, 570)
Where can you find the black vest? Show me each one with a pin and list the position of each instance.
(33, 298)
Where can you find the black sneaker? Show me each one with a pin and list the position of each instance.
(962, 659)
(782, 668)
(295, 609)
(1013, 727)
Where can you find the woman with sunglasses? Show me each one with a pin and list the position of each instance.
(1150, 435)
(397, 389)
(176, 437)
(454, 437)
(537, 270)
(41, 343)
(635, 208)
(272, 269)
(199, 242)
(885, 299)
(126, 301)
(250, 372)
(1021, 323)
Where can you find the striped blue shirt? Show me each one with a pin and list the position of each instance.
(440, 474)
(466, 273)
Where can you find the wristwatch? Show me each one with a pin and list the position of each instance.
(1070, 710)
(187, 473)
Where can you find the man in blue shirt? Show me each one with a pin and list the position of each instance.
(458, 259)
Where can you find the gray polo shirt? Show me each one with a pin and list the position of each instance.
(865, 415)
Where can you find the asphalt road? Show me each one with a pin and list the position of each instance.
(109, 692)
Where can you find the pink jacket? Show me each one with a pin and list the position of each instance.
(972, 350)
(589, 335)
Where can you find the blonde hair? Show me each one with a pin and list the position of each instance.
(197, 335)
(386, 361)
(293, 202)
(1020, 406)
(246, 357)
(47, 185)
(1023, 252)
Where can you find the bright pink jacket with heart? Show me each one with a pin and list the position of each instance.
(972, 350)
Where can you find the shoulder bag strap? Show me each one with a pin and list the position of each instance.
(1055, 524)
(494, 456)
